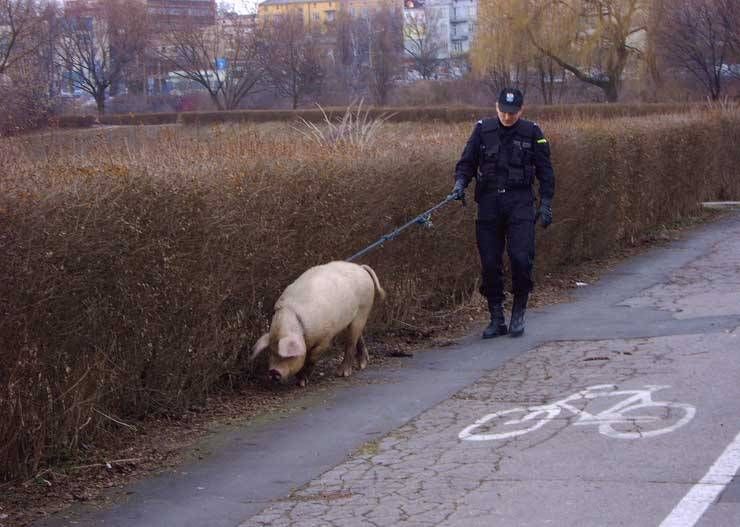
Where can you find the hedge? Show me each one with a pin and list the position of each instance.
(433, 114)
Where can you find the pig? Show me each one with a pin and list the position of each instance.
(323, 302)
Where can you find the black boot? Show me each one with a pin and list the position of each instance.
(519, 307)
(498, 324)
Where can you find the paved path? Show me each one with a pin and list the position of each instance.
(619, 408)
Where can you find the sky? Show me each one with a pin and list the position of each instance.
(244, 6)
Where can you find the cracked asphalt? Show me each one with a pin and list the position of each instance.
(609, 411)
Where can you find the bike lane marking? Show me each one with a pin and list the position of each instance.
(542, 414)
(695, 503)
(423, 474)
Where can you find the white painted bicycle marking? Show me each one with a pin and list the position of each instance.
(627, 411)
(692, 507)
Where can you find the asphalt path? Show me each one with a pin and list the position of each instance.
(621, 407)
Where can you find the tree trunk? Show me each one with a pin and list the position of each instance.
(216, 101)
(100, 102)
(715, 88)
(611, 90)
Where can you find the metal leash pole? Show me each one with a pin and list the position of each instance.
(423, 219)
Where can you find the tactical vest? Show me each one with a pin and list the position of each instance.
(517, 157)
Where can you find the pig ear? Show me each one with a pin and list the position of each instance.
(291, 347)
(260, 346)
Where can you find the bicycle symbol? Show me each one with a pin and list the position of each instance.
(631, 418)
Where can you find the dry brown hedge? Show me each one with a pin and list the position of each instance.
(135, 268)
(139, 118)
(438, 114)
(71, 121)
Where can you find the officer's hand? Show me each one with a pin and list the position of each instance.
(545, 213)
(458, 191)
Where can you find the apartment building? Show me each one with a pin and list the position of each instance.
(463, 14)
(442, 28)
(316, 14)
(452, 22)
(320, 14)
(166, 13)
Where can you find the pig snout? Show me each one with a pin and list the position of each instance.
(275, 375)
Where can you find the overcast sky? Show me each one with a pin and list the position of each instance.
(244, 6)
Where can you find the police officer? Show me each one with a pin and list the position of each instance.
(505, 155)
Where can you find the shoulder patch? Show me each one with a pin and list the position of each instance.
(540, 141)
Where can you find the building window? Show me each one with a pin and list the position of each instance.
(457, 47)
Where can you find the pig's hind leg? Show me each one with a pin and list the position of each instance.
(353, 334)
(362, 355)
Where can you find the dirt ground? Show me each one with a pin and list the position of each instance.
(159, 444)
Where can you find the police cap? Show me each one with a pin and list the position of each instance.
(510, 100)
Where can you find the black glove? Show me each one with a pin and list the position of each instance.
(544, 213)
(458, 191)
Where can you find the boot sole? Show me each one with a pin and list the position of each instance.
(515, 334)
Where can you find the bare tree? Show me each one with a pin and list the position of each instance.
(221, 58)
(499, 76)
(20, 24)
(290, 56)
(551, 79)
(350, 54)
(385, 51)
(98, 41)
(424, 42)
(599, 38)
(652, 67)
(27, 80)
(730, 10)
(699, 37)
(501, 53)
(48, 36)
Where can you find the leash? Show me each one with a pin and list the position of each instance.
(425, 219)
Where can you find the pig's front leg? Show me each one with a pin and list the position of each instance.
(305, 372)
(312, 357)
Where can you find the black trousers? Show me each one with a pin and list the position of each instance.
(505, 220)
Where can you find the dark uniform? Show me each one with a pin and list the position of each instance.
(505, 162)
